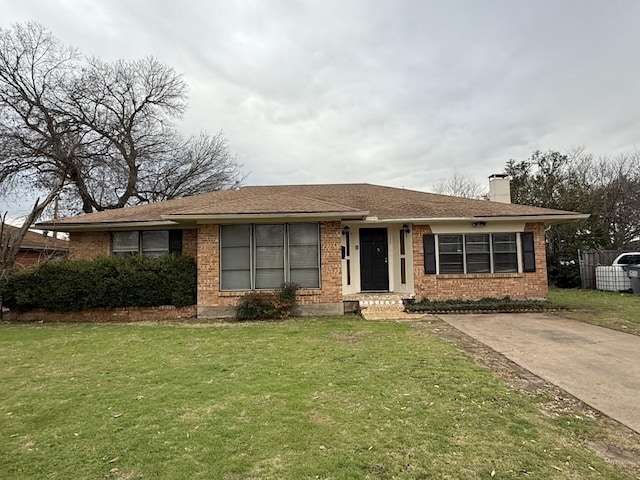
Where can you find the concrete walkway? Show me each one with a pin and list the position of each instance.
(599, 366)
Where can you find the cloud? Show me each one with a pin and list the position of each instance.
(397, 93)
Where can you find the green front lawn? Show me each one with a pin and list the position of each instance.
(619, 311)
(315, 398)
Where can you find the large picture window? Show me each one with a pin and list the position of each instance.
(473, 253)
(262, 257)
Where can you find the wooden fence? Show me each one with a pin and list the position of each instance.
(591, 259)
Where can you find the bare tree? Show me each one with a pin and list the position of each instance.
(105, 130)
(6, 241)
(190, 166)
(10, 242)
(127, 107)
(460, 185)
(38, 143)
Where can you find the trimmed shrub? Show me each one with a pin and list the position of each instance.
(505, 304)
(256, 305)
(108, 282)
(286, 299)
(267, 305)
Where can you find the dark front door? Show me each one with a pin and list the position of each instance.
(374, 262)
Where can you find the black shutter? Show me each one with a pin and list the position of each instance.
(175, 241)
(429, 242)
(528, 252)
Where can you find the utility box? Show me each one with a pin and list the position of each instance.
(633, 271)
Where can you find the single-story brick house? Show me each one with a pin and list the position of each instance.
(340, 242)
(35, 248)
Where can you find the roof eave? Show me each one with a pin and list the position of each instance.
(547, 219)
(101, 226)
(43, 248)
(175, 220)
(246, 217)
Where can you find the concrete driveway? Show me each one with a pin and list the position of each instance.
(599, 366)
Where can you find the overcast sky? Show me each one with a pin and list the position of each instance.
(397, 93)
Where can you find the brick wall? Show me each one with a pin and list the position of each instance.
(208, 255)
(213, 302)
(331, 262)
(88, 245)
(105, 315)
(476, 286)
(190, 242)
(33, 258)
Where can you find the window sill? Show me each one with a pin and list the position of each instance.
(301, 292)
(470, 276)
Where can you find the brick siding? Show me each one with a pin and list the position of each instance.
(88, 245)
(209, 294)
(475, 286)
(204, 245)
(208, 265)
(190, 242)
(33, 258)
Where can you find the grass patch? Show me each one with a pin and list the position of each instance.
(320, 398)
(618, 311)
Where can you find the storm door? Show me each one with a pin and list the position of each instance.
(374, 261)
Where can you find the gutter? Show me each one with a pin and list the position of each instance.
(44, 249)
(175, 220)
(102, 226)
(243, 217)
(548, 219)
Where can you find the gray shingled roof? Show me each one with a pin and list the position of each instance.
(336, 200)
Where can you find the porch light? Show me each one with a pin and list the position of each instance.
(405, 228)
(345, 230)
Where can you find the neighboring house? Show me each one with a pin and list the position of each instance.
(35, 248)
(337, 242)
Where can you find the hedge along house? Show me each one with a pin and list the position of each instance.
(341, 242)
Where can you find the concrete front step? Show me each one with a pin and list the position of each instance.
(368, 314)
(387, 312)
(381, 306)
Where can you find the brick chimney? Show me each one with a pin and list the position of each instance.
(500, 188)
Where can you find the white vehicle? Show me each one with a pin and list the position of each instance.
(614, 278)
(631, 258)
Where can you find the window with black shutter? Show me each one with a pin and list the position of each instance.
(528, 252)
(429, 243)
(175, 241)
(478, 253)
